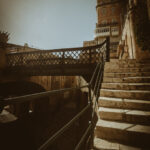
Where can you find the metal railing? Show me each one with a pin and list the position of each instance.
(81, 55)
(68, 61)
(107, 24)
(93, 94)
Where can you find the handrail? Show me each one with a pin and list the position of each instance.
(29, 97)
(83, 137)
(60, 50)
(64, 128)
(20, 99)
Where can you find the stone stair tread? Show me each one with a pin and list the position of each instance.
(131, 104)
(128, 94)
(128, 83)
(102, 144)
(130, 60)
(124, 100)
(124, 74)
(126, 86)
(126, 111)
(137, 77)
(140, 128)
(125, 79)
(124, 126)
(118, 69)
(132, 91)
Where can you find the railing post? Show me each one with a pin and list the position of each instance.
(107, 49)
(90, 56)
(90, 144)
(63, 58)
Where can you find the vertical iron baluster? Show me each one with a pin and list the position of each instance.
(90, 144)
(90, 56)
(63, 58)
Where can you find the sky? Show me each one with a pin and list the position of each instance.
(48, 24)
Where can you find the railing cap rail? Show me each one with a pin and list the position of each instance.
(60, 50)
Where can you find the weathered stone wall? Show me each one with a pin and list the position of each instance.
(128, 43)
(109, 13)
(128, 39)
(108, 22)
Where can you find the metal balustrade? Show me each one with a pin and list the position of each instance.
(93, 87)
(49, 62)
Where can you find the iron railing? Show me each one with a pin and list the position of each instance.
(94, 89)
(68, 61)
(81, 55)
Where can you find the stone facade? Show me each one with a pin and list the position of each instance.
(108, 22)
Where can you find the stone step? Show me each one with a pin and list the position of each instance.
(126, 70)
(130, 74)
(100, 144)
(113, 55)
(131, 134)
(124, 103)
(126, 65)
(127, 80)
(125, 115)
(126, 86)
(132, 94)
(127, 61)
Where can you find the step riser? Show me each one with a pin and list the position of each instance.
(126, 119)
(126, 80)
(123, 117)
(123, 105)
(125, 87)
(126, 65)
(130, 61)
(123, 136)
(125, 70)
(121, 75)
(100, 144)
(127, 95)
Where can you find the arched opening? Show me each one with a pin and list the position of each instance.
(40, 119)
(20, 88)
(22, 132)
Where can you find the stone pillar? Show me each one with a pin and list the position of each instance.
(132, 35)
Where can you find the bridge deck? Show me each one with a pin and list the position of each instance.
(51, 70)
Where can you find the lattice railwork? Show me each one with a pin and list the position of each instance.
(48, 60)
(82, 55)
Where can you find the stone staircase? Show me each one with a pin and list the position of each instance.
(124, 106)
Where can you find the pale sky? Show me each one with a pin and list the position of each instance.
(48, 24)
